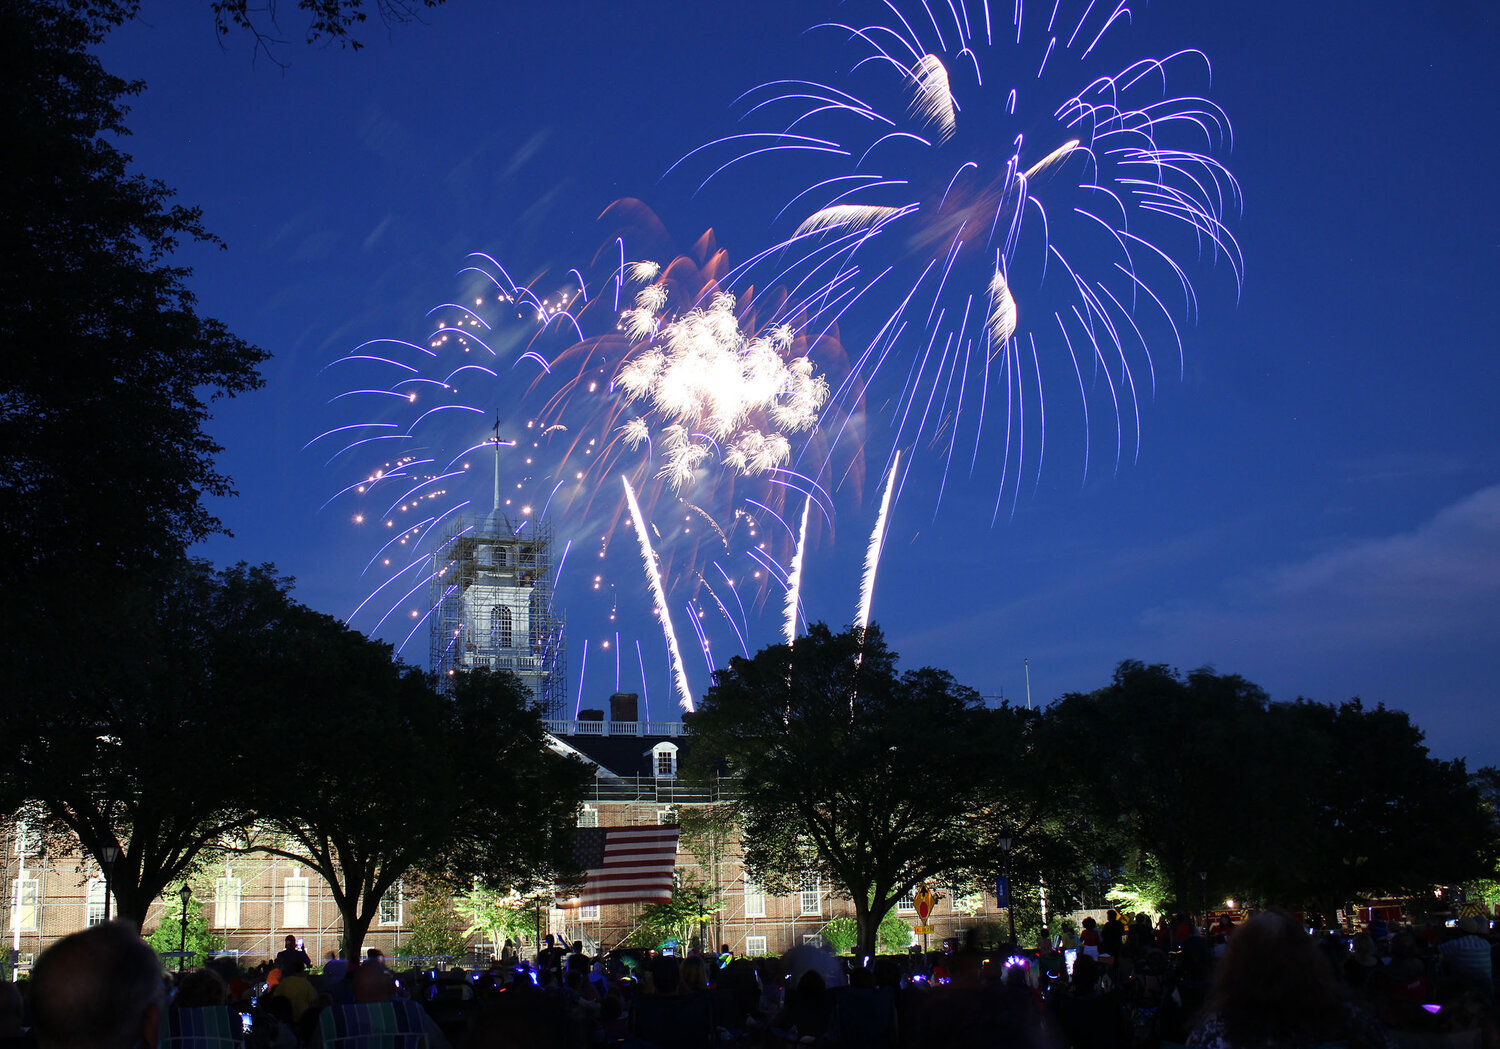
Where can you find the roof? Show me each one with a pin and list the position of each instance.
(618, 751)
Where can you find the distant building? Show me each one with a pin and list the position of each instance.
(492, 602)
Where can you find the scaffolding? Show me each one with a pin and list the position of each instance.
(483, 568)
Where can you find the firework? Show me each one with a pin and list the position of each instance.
(998, 240)
(700, 398)
(1024, 197)
(717, 387)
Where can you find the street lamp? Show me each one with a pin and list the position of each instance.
(184, 894)
(110, 853)
(1010, 890)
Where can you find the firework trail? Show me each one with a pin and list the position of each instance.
(872, 553)
(794, 577)
(658, 594)
(1023, 206)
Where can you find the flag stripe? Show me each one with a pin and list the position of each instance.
(625, 865)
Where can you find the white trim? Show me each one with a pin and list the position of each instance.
(93, 902)
(25, 903)
(295, 902)
(664, 760)
(810, 891)
(396, 893)
(755, 899)
(228, 892)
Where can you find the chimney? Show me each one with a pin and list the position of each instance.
(624, 707)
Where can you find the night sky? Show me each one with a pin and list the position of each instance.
(1316, 500)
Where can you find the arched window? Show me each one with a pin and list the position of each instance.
(501, 634)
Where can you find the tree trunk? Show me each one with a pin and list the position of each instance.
(355, 928)
(868, 924)
(129, 908)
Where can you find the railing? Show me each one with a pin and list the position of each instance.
(513, 662)
(658, 792)
(616, 728)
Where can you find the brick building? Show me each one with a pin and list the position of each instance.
(254, 900)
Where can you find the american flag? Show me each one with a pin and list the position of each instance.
(624, 865)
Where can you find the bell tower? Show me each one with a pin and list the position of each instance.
(493, 601)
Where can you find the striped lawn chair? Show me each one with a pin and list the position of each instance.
(397, 1024)
(203, 1027)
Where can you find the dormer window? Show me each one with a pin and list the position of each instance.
(664, 761)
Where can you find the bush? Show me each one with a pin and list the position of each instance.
(842, 934)
(437, 930)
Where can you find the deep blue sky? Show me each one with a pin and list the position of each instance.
(1316, 505)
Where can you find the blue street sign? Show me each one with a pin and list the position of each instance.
(1002, 892)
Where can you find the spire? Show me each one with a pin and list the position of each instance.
(497, 516)
(496, 439)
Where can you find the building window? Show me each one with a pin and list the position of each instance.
(812, 939)
(907, 904)
(810, 895)
(96, 901)
(502, 556)
(589, 913)
(755, 900)
(502, 635)
(664, 760)
(24, 902)
(667, 817)
(755, 946)
(390, 905)
(227, 902)
(588, 816)
(294, 903)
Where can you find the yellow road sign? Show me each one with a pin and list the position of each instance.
(924, 899)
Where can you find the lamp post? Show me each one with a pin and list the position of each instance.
(1203, 897)
(109, 854)
(184, 894)
(1010, 890)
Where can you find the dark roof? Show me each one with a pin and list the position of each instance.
(623, 755)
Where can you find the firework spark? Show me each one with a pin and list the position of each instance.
(872, 553)
(933, 99)
(794, 577)
(659, 596)
(718, 387)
